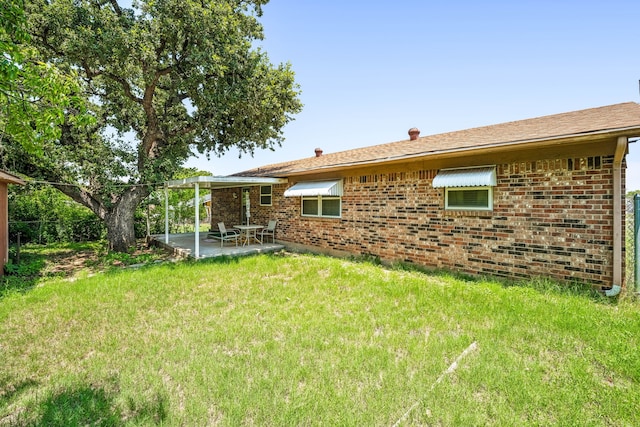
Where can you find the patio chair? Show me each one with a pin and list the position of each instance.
(225, 234)
(270, 230)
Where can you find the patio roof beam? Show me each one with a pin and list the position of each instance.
(213, 182)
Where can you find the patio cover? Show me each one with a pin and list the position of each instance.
(209, 182)
(315, 188)
(468, 177)
(213, 182)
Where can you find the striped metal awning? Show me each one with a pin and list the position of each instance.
(315, 188)
(467, 177)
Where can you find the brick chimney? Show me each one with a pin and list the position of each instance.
(414, 133)
(318, 152)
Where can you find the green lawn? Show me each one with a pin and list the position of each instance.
(309, 340)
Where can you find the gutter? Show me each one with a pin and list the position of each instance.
(621, 151)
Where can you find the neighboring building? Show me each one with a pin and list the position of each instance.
(537, 197)
(5, 180)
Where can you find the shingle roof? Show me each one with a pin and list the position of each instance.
(618, 117)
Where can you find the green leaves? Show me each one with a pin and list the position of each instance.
(34, 95)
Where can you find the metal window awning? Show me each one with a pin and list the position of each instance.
(315, 188)
(467, 177)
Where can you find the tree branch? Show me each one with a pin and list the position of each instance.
(116, 7)
(45, 41)
(83, 197)
(163, 44)
(126, 87)
(183, 131)
(90, 73)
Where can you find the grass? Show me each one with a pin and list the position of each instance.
(37, 262)
(308, 340)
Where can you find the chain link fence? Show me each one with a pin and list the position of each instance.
(68, 230)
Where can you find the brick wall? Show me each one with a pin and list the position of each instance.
(226, 206)
(551, 218)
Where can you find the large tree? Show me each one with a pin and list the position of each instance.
(161, 79)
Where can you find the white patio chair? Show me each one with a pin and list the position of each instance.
(270, 230)
(226, 234)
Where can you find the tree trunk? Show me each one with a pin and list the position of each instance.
(119, 221)
(120, 230)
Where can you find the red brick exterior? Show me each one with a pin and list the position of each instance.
(226, 206)
(550, 218)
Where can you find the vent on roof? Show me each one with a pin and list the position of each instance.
(414, 133)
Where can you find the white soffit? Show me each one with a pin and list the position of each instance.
(315, 188)
(469, 177)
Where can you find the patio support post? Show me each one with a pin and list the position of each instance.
(166, 214)
(197, 205)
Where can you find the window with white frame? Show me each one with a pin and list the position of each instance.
(265, 195)
(322, 206)
(318, 198)
(469, 198)
(467, 189)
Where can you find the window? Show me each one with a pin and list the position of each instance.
(468, 198)
(318, 198)
(321, 206)
(467, 189)
(265, 195)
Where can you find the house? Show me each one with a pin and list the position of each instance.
(536, 197)
(5, 180)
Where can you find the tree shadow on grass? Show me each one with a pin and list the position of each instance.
(89, 405)
(79, 406)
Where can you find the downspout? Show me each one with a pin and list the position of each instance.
(621, 151)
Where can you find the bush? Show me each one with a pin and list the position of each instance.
(44, 215)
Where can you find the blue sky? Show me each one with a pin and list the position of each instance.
(369, 71)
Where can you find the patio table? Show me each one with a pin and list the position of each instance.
(248, 232)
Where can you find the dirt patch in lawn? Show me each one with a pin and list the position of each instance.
(32, 263)
(66, 262)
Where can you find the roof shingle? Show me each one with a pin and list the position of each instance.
(594, 120)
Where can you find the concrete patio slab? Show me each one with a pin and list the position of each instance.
(183, 245)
